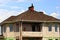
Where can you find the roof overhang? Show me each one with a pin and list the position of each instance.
(27, 21)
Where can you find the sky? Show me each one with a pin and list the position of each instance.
(15, 7)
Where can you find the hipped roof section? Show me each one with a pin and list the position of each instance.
(31, 16)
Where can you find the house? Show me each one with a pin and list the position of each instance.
(31, 25)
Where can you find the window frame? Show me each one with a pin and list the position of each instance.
(56, 27)
(49, 27)
(4, 28)
(17, 27)
(11, 27)
(37, 27)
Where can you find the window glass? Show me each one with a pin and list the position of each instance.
(17, 27)
(50, 27)
(37, 27)
(11, 27)
(4, 28)
(56, 27)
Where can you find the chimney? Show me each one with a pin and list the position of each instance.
(31, 8)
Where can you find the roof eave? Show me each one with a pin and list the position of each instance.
(27, 21)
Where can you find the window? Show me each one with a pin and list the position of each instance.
(33, 27)
(50, 39)
(11, 27)
(37, 27)
(50, 27)
(40, 26)
(4, 28)
(56, 27)
(17, 27)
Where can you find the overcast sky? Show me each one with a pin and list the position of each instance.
(15, 7)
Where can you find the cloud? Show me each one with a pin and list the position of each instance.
(56, 15)
(6, 1)
(4, 14)
(20, 0)
(15, 7)
(58, 7)
(25, 0)
(44, 12)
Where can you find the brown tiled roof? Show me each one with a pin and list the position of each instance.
(34, 15)
(31, 15)
(12, 18)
